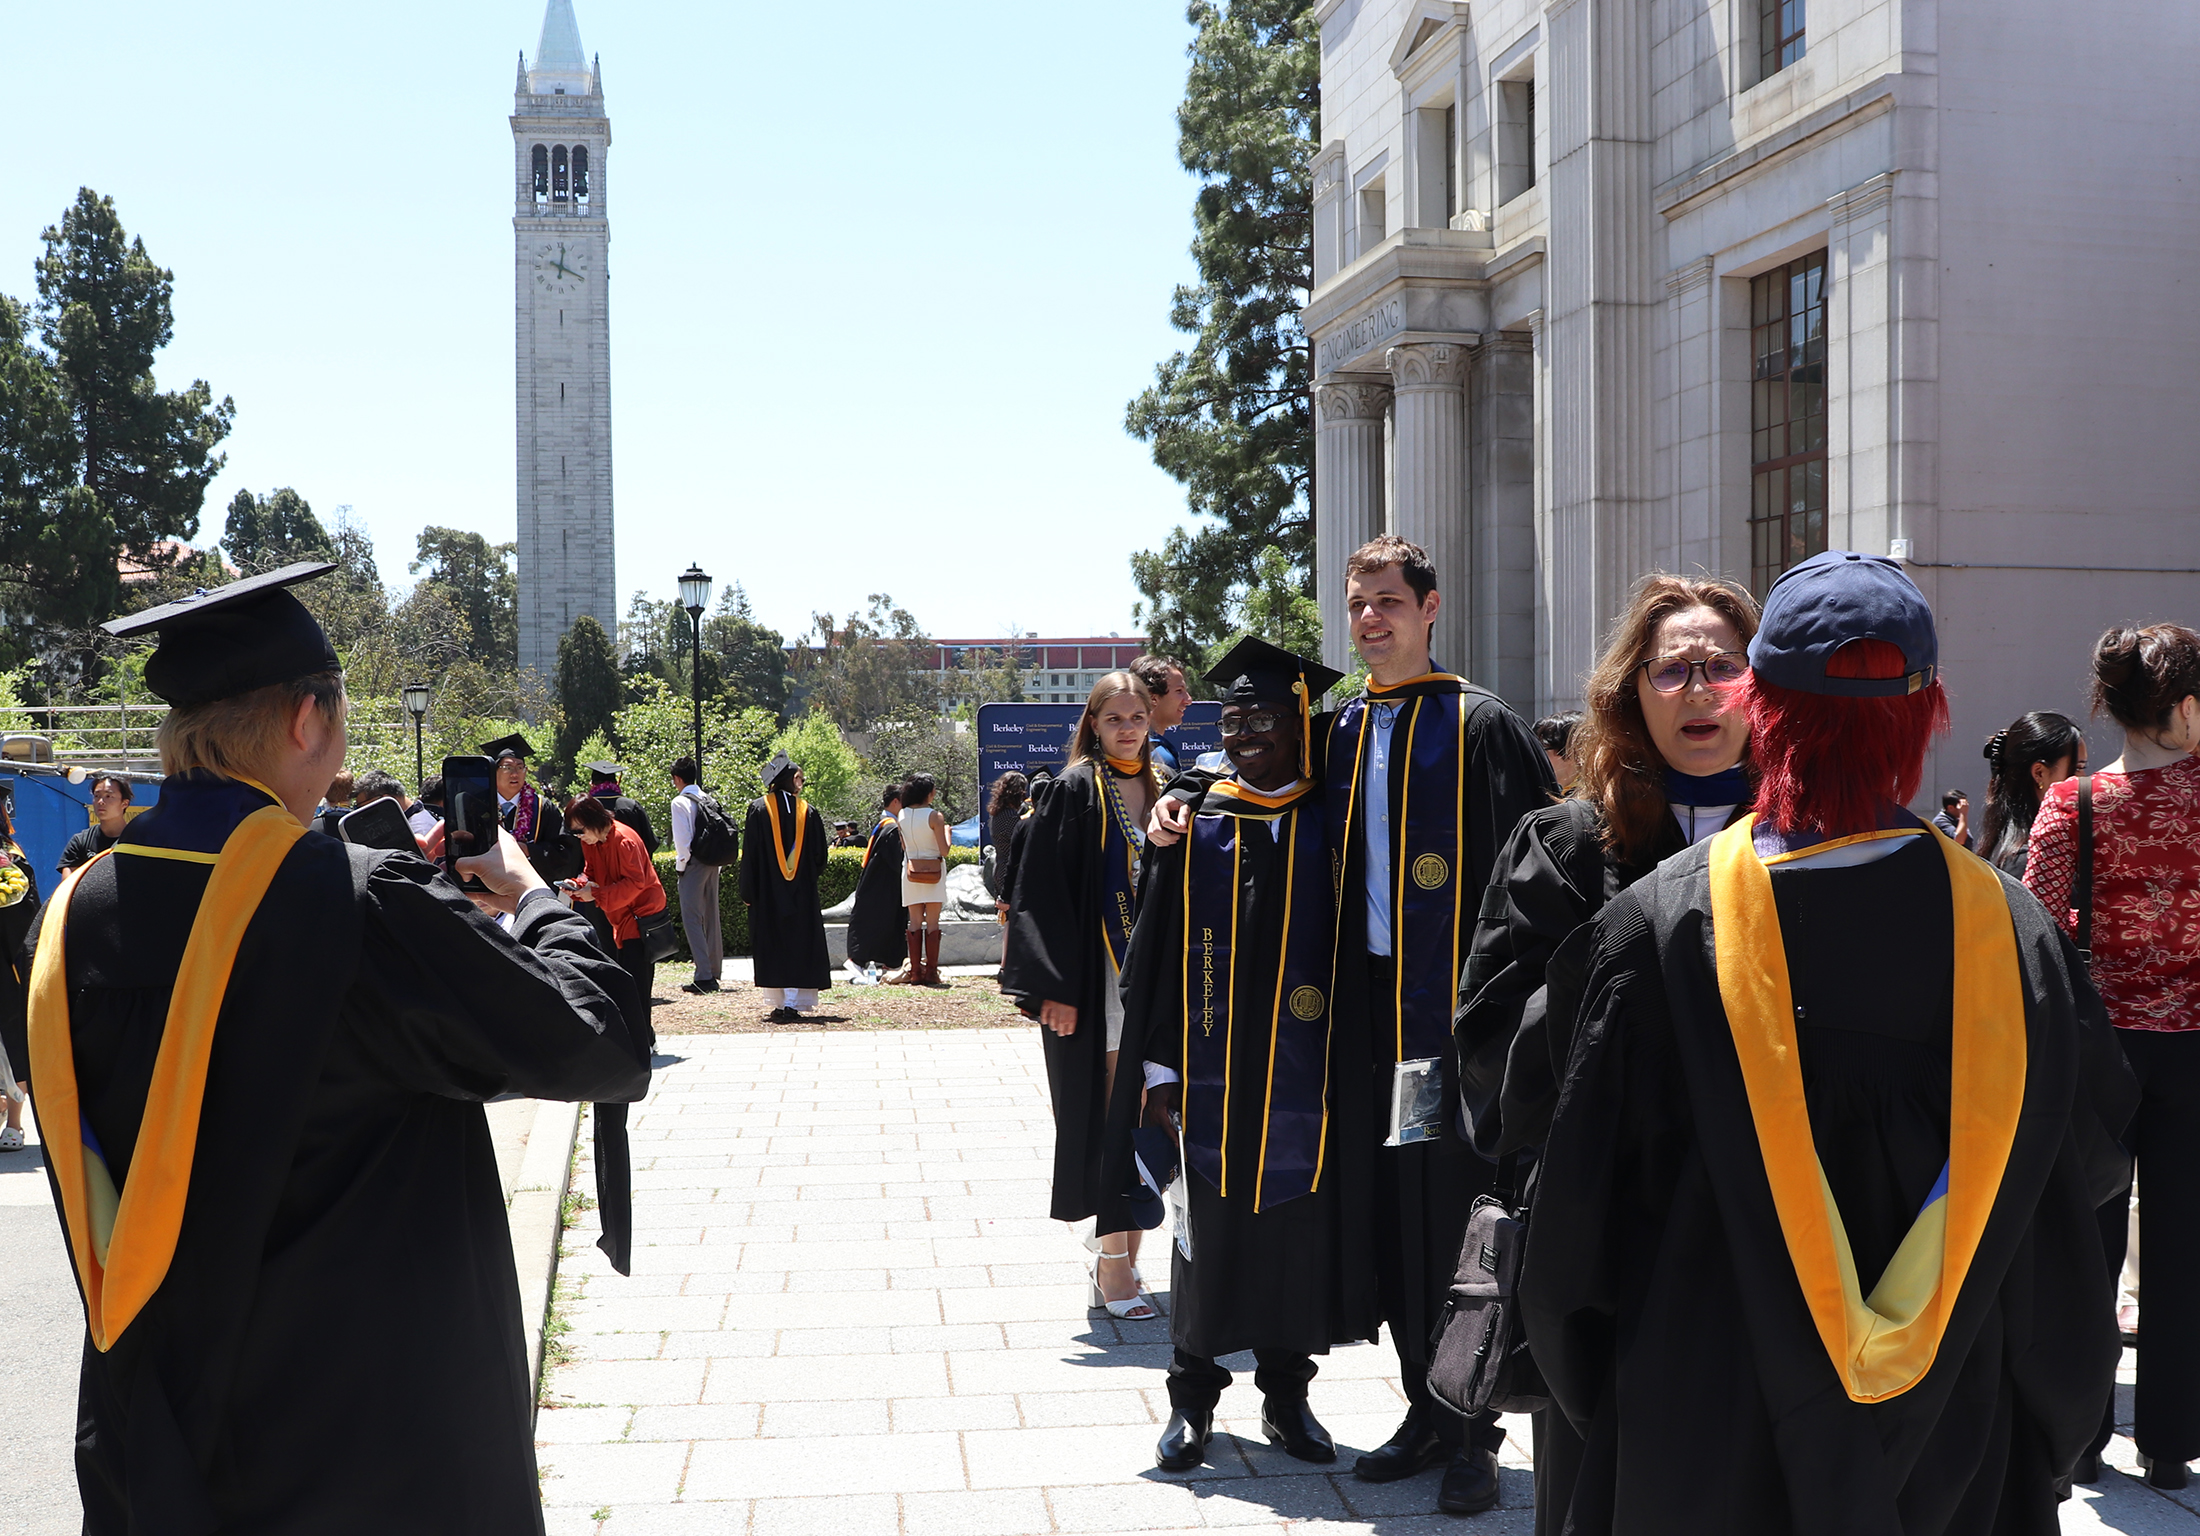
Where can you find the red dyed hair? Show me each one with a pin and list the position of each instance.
(1828, 763)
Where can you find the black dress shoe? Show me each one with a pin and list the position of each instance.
(1289, 1423)
(1184, 1443)
(1470, 1483)
(1414, 1448)
(695, 987)
(2163, 1474)
(2088, 1469)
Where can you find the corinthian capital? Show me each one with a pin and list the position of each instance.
(1352, 400)
(1427, 365)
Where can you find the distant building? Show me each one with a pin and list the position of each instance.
(1060, 671)
(1603, 287)
(561, 237)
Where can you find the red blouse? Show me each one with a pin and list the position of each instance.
(626, 883)
(2146, 888)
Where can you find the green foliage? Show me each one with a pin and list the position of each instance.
(264, 533)
(869, 669)
(1232, 418)
(831, 771)
(95, 460)
(1276, 606)
(478, 580)
(590, 690)
(752, 659)
(946, 748)
(656, 727)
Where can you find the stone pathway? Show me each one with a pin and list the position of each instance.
(849, 1315)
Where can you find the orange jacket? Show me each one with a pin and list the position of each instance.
(626, 882)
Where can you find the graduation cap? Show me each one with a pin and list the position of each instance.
(514, 745)
(1153, 1169)
(604, 772)
(780, 765)
(219, 643)
(1255, 672)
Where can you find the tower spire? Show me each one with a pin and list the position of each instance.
(560, 48)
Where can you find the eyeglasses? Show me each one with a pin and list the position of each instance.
(1670, 674)
(1258, 725)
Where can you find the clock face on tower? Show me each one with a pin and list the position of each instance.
(560, 268)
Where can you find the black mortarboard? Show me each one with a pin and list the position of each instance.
(514, 745)
(779, 764)
(218, 644)
(1255, 672)
(604, 771)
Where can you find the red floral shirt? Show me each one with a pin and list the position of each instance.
(2146, 888)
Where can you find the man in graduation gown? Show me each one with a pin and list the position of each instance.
(782, 854)
(604, 785)
(877, 924)
(1226, 1004)
(528, 814)
(1839, 1109)
(261, 1060)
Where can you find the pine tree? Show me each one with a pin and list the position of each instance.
(1233, 417)
(264, 533)
(590, 691)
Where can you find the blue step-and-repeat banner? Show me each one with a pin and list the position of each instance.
(1024, 738)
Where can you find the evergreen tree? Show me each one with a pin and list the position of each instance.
(478, 578)
(264, 533)
(103, 311)
(590, 690)
(751, 658)
(1233, 417)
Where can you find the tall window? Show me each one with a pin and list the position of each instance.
(1787, 417)
(1451, 162)
(580, 173)
(1779, 35)
(559, 185)
(542, 173)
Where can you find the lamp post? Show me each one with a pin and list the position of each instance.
(695, 597)
(416, 700)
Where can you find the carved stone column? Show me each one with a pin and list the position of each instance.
(1430, 379)
(1501, 458)
(1348, 495)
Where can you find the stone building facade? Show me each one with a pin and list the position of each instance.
(1610, 286)
(561, 143)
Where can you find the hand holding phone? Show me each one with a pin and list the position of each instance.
(504, 870)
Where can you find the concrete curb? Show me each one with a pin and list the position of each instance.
(537, 1216)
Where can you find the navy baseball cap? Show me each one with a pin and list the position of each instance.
(1819, 606)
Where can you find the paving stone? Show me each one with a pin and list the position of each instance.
(997, 1411)
(629, 1381)
(847, 1464)
(1050, 1458)
(992, 1512)
(826, 1515)
(611, 1474)
(1129, 1505)
(788, 1420)
(580, 1426)
(818, 1378)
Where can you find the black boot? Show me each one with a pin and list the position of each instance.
(2163, 1474)
(1414, 1448)
(1287, 1422)
(1470, 1483)
(1184, 1443)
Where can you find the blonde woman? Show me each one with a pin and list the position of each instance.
(1069, 927)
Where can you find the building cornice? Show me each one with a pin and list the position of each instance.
(1455, 257)
(1887, 93)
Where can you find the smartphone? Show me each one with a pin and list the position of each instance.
(469, 813)
(379, 824)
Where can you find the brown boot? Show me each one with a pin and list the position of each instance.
(908, 975)
(932, 958)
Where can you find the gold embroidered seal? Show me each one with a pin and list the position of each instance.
(1306, 1003)
(1430, 871)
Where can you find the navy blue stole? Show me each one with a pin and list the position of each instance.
(1118, 868)
(1232, 1003)
(1428, 829)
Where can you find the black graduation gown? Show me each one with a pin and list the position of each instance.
(1054, 953)
(1416, 1198)
(336, 1346)
(1658, 1293)
(555, 854)
(629, 811)
(1257, 1280)
(878, 927)
(15, 969)
(786, 925)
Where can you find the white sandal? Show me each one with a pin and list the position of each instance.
(1133, 1309)
(11, 1139)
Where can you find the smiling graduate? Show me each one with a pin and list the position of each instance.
(1226, 1003)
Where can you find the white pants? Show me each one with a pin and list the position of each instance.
(801, 999)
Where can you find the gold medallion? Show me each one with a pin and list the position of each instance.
(1430, 871)
(1306, 1003)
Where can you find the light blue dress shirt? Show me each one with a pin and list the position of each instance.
(1375, 787)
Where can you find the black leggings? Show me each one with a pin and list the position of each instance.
(2164, 1139)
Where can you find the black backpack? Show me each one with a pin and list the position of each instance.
(713, 839)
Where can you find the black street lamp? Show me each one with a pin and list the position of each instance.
(416, 700)
(695, 597)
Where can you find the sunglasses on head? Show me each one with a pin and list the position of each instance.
(1670, 674)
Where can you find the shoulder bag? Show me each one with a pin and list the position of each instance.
(2081, 893)
(1478, 1350)
(926, 870)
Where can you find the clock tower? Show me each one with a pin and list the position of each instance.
(561, 141)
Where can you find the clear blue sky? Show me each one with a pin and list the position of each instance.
(883, 277)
